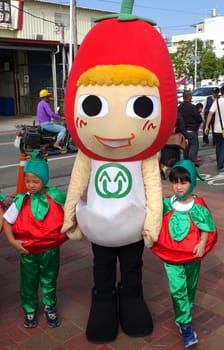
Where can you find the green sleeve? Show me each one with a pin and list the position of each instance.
(57, 195)
(202, 218)
(18, 200)
(167, 207)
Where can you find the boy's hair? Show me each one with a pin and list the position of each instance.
(222, 90)
(187, 94)
(179, 174)
(199, 106)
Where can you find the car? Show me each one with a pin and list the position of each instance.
(199, 95)
(179, 93)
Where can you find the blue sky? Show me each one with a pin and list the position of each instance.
(173, 17)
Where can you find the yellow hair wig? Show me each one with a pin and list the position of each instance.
(117, 75)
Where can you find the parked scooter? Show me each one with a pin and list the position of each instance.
(30, 137)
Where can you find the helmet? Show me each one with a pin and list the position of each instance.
(44, 93)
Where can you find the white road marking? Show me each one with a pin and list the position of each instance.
(49, 159)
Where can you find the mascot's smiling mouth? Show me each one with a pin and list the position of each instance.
(115, 143)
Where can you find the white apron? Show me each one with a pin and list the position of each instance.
(114, 213)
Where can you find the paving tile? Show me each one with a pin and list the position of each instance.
(123, 342)
(6, 341)
(219, 308)
(75, 341)
(214, 341)
(74, 297)
(40, 341)
(16, 334)
(64, 332)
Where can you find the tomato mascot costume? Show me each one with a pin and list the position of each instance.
(121, 107)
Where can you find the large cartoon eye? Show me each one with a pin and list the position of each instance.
(143, 107)
(92, 106)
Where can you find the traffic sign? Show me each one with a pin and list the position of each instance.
(195, 59)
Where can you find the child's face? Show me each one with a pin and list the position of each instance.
(180, 188)
(33, 183)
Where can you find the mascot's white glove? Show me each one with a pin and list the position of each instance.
(77, 186)
(154, 205)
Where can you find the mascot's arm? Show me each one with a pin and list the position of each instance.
(154, 206)
(78, 184)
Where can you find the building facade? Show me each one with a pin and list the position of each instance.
(35, 40)
(211, 29)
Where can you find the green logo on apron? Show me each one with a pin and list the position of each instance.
(113, 180)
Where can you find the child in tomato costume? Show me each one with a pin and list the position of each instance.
(5, 202)
(120, 108)
(2, 209)
(188, 233)
(32, 226)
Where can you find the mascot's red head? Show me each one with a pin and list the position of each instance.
(120, 101)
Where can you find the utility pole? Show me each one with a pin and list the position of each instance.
(75, 38)
(71, 11)
(64, 71)
(73, 32)
(195, 61)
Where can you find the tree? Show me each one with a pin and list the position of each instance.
(184, 65)
(182, 59)
(209, 65)
(220, 65)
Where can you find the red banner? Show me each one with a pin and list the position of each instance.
(182, 81)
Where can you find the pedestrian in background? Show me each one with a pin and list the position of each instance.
(206, 107)
(192, 120)
(32, 225)
(217, 108)
(199, 107)
(188, 233)
(171, 152)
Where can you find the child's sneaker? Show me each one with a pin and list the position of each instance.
(51, 316)
(189, 335)
(30, 320)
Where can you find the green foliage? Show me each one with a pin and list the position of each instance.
(220, 65)
(182, 59)
(209, 66)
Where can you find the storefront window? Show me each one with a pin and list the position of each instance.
(5, 11)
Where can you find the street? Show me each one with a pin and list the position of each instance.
(75, 279)
(60, 166)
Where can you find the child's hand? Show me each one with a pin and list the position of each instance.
(199, 249)
(18, 245)
(7, 202)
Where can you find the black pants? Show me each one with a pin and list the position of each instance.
(105, 266)
(169, 155)
(211, 125)
(219, 147)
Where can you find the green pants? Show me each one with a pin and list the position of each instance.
(183, 280)
(35, 269)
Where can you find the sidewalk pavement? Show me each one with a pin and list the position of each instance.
(74, 290)
(10, 123)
